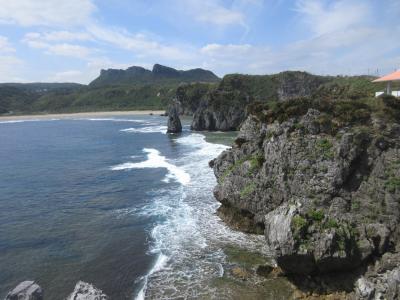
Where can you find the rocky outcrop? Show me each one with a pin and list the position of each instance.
(86, 291)
(225, 107)
(190, 97)
(29, 290)
(227, 117)
(26, 290)
(323, 180)
(174, 123)
(382, 280)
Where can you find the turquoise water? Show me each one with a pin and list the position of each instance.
(115, 202)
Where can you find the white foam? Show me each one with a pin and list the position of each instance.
(155, 160)
(188, 238)
(147, 129)
(111, 119)
(27, 120)
(158, 265)
(189, 234)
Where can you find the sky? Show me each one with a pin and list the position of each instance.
(71, 41)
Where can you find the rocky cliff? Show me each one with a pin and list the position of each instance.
(224, 107)
(321, 180)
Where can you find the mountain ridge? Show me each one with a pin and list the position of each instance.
(158, 74)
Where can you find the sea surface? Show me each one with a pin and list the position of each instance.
(113, 201)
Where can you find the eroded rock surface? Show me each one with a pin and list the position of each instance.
(86, 291)
(325, 188)
(174, 122)
(26, 290)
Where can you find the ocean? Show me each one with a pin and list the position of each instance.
(113, 201)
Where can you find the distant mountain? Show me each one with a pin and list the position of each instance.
(159, 75)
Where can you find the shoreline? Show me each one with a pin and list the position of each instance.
(81, 114)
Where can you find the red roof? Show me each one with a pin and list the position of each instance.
(391, 77)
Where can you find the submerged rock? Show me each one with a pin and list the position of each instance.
(86, 291)
(26, 290)
(174, 123)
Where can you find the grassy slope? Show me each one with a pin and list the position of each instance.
(234, 88)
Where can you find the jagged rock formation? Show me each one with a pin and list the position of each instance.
(190, 95)
(86, 291)
(26, 290)
(29, 290)
(159, 74)
(174, 123)
(382, 280)
(224, 107)
(321, 179)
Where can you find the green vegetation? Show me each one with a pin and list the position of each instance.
(316, 215)
(131, 89)
(330, 223)
(298, 223)
(392, 184)
(256, 162)
(342, 100)
(233, 167)
(342, 112)
(325, 146)
(355, 205)
(247, 190)
(83, 98)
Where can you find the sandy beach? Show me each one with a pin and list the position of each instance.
(82, 115)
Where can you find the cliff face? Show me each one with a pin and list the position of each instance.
(321, 181)
(224, 108)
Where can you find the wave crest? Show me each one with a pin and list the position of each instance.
(155, 160)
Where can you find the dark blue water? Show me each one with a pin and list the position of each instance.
(115, 202)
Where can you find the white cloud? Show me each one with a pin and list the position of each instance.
(140, 44)
(5, 46)
(46, 12)
(214, 13)
(323, 18)
(209, 12)
(69, 50)
(64, 35)
(43, 41)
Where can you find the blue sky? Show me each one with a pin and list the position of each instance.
(53, 40)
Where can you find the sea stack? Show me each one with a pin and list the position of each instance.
(174, 123)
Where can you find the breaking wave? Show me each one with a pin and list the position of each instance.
(189, 240)
(147, 129)
(155, 160)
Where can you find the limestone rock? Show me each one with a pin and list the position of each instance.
(26, 290)
(326, 192)
(86, 291)
(174, 123)
(379, 286)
